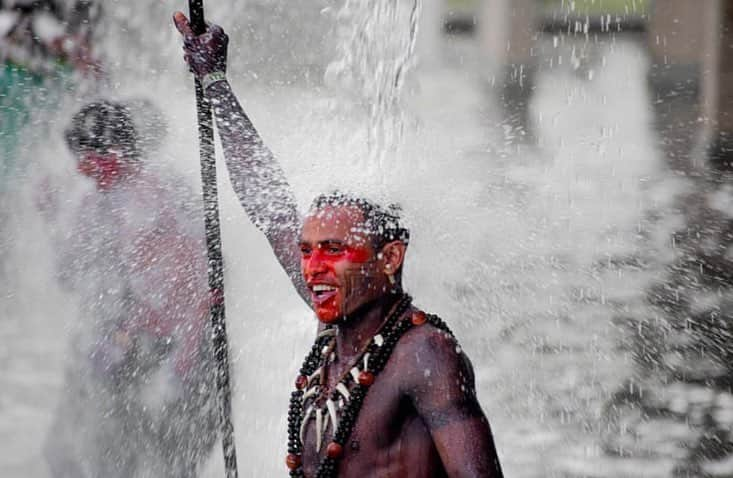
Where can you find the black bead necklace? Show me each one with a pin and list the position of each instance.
(350, 391)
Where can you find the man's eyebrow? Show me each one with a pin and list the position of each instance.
(337, 242)
(325, 242)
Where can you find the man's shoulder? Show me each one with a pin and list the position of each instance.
(429, 344)
(426, 336)
(428, 360)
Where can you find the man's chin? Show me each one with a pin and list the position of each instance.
(332, 315)
(328, 316)
(328, 319)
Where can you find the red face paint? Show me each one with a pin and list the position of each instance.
(338, 262)
(328, 270)
(105, 169)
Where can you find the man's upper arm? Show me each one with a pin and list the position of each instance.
(442, 389)
(259, 182)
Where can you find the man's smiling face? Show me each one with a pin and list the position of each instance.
(339, 263)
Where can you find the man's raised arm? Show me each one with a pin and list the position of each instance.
(257, 178)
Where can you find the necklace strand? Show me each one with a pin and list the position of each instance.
(357, 383)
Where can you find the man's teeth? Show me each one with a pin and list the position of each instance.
(323, 288)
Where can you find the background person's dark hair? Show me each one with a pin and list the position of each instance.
(102, 125)
(382, 224)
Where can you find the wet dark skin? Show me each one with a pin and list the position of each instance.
(421, 417)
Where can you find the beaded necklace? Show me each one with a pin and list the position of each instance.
(344, 402)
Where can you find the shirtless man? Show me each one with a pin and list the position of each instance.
(385, 390)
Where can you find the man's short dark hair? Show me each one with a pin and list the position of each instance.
(382, 223)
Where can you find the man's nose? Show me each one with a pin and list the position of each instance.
(314, 264)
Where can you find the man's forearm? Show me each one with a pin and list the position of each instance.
(258, 180)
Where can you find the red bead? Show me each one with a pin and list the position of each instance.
(366, 378)
(419, 318)
(301, 382)
(293, 461)
(334, 450)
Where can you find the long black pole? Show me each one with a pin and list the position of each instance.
(216, 262)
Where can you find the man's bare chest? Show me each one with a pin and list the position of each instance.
(382, 407)
(387, 434)
(333, 399)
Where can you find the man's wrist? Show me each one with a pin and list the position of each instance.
(211, 78)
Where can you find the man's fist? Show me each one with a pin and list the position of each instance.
(205, 53)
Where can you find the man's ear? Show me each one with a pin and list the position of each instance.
(393, 255)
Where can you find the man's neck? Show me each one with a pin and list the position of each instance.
(357, 329)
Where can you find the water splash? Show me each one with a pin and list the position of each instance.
(376, 51)
(506, 247)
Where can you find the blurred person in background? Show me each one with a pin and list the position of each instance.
(139, 394)
(43, 45)
(45, 48)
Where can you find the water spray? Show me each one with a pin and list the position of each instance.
(215, 260)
